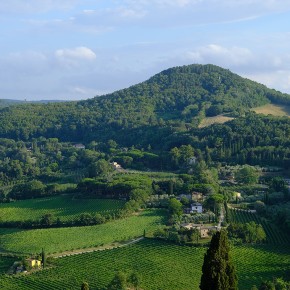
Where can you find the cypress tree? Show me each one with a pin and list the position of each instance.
(218, 271)
(43, 258)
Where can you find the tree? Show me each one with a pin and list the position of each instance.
(175, 207)
(247, 175)
(134, 280)
(100, 167)
(85, 286)
(43, 258)
(119, 282)
(218, 271)
(47, 220)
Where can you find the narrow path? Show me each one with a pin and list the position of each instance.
(99, 248)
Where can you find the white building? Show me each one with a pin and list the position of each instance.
(116, 165)
(196, 207)
(192, 160)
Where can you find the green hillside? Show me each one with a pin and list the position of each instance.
(174, 97)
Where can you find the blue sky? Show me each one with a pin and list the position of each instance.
(72, 49)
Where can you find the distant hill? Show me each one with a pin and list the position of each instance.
(9, 102)
(172, 101)
(6, 103)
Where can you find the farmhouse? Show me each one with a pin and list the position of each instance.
(204, 230)
(33, 263)
(116, 165)
(196, 196)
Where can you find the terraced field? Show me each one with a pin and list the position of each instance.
(57, 240)
(161, 266)
(64, 207)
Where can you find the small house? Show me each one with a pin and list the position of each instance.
(196, 196)
(79, 146)
(116, 165)
(196, 207)
(34, 263)
(204, 230)
(192, 160)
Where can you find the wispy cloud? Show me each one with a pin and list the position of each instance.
(35, 6)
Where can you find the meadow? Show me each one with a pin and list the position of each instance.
(64, 207)
(57, 240)
(275, 110)
(220, 119)
(160, 265)
(268, 109)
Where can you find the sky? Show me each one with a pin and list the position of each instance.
(71, 49)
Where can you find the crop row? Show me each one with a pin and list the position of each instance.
(63, 207)
(56, 240)
(274, 234)
(160, 265)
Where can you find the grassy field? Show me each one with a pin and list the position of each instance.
(160, 265)
(220, 119)
(64, 207)
(64, 239)
(275, 110)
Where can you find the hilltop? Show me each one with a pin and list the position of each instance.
(178, 98)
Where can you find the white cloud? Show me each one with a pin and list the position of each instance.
(213, 53)
(75, 57)
(76, 53)
(35, 6)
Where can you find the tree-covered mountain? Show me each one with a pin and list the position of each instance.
(174, 100)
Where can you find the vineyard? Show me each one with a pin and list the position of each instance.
(274, 234)
(64, 207)
(160, 265)
(65, 239)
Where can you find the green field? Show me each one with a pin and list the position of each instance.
(64, 207)
(161, 266)
(274, 234)
(65, 239)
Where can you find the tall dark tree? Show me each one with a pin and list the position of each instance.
(218, 271)
(43, 258)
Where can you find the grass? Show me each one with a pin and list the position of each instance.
(268, 109)
(57, 240)
(220, 119)
(64, 207)
(275, 110)
(160, 265)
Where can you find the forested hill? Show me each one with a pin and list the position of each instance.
(171, 100)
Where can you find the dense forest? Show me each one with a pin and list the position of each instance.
(174, 100)
(152, 125)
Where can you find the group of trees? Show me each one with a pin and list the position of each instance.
(247, 232)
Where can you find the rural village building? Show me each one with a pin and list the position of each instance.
(196, 207)
(204, 230)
